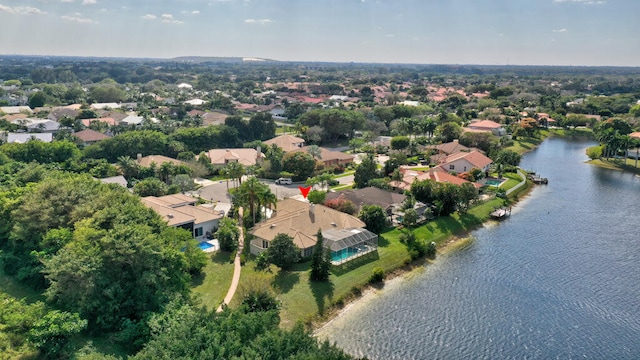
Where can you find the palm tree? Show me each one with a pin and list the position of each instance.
(315, 151)
(165, 170)
(128, 167)
(267, 200)
(236, 171)
(248, 194)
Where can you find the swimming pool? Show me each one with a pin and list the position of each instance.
(493, 182)
(205, 245)
(342, 255)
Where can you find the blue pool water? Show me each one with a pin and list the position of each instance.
(343, 255)
(493, 182)
(205, 245)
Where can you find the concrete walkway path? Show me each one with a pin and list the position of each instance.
(236, 267)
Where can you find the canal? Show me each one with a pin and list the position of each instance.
(559, 279)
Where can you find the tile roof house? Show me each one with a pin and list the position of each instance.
(107, 120)
(120, 180)
(300, 220)
(635, 134)
(331, 158)
(369, 196)
(38, 125)
(487, 126)
(15, 110)
(462, 162)
(179, 210)
(88, 136)
(103, 106)
(244, 156)
(157, 159)
(22, 138)
(286, 142)
(132, 120)
(59, 113)
(436, 174)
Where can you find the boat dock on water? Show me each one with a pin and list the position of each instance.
(500, 213)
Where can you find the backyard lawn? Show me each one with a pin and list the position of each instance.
(214, 281)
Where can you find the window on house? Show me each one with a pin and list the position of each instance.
(265, 244)
(465, 168)
(452, 167)
(197, 232)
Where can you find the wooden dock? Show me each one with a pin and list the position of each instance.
(500, 213)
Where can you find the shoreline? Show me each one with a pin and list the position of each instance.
(403, 273)
(453, 243)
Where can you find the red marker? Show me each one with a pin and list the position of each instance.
(304, 191)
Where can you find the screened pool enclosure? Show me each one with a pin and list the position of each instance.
(349, 244)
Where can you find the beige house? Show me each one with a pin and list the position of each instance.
(157, 159)
(465, 161)
(300, 220)
(286, 142)
(246, 157)
(180, 210)
(487, 126)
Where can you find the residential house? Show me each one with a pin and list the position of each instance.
(330, 157)
(179, 210)
(157, 159)
(107, 120)
(119, 180)
(25, 137)
(462, 162)
(104, 106)
(436, 174)
(15, 110)
(132, 120)
(243, 156)
(370, 196)
(277, 111)
(195, 102)
(487, 126)
(286, 142)
(89, 136)
(301, 220)
(60, 113)
(446, 149)
(38, 125)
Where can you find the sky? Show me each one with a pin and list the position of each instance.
(492, 32)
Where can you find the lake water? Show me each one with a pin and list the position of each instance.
(559, 279)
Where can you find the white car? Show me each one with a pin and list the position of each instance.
(284, 181)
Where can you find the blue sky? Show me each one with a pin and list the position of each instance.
(526, 32)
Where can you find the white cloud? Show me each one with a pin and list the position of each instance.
(195, 12)
(559, 30)
(168, 18)
(89, 2)
(77, 17)
(21, 10)
(66, 1)
(260, 21)
(149, 17)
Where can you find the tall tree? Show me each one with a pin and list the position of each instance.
(320, 260)
(365, 171)
(283, 252)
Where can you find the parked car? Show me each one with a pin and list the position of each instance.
(284, 181)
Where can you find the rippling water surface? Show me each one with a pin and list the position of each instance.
(559, 279)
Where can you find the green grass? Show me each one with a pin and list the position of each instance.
(346, 173)
(212, 284)
(303, 300)
(514, 179)
(617, 164)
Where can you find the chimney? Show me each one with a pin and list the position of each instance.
(455, 140)
(139, 156)
(312, 214)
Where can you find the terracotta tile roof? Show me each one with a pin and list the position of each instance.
(107, 120)
(475, 158)
(301, 220)
(369, 196)
(89, 135)
(635, 134)
(436, 174)
(484, 124)
(449, 148)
